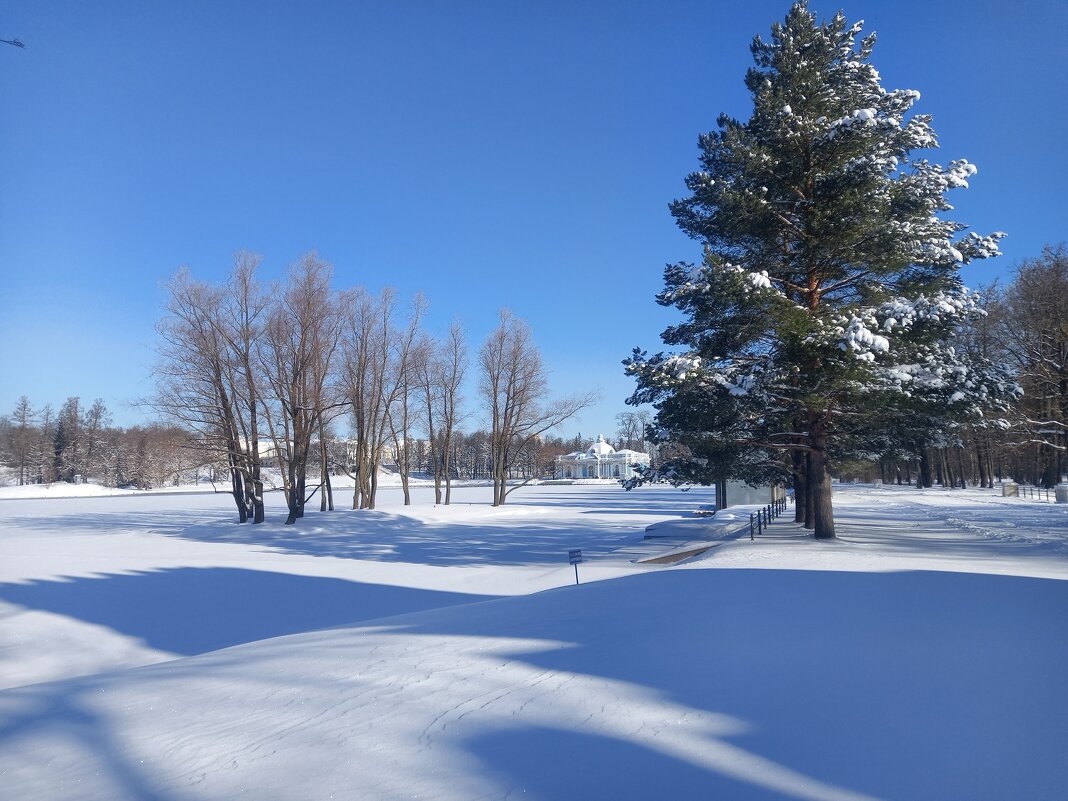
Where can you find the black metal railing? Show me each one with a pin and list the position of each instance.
(1035, 493)
(759, 520)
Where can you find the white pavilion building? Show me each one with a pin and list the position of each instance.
(600, 460)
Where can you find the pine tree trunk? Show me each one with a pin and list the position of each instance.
(800, 486)
(810, 510)
(923, 479)
(819, 479)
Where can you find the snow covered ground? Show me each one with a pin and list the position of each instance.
(63, 490)
(153, 649)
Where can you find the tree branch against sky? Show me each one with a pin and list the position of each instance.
(513, 382)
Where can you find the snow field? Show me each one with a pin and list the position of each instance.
(914, 658)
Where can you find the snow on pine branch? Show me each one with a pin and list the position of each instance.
(707, 279)
(678, 369)
(870, 332)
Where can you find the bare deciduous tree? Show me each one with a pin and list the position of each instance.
(425, 366)
(631, 432)
(453, 368)
(440, 370)
(1035, 326)
(206, 377)
(300, 337)
(403, 382)
(514, 389)
(377, 359)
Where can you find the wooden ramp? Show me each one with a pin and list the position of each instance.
(680, 554)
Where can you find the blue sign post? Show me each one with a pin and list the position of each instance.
(575, 557)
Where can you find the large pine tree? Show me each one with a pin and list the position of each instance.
(830, 277)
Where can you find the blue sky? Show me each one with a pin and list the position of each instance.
(487, 153)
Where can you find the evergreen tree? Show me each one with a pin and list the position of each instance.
(830, 272)
(67, 442)
(19, 438)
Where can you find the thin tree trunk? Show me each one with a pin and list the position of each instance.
(446, 468)
(373, 491)
(237, 485)
(324, 475)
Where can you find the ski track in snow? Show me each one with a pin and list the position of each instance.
(1016, 520)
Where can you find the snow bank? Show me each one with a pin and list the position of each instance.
(61, 490)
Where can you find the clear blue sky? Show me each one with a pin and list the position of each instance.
(488, 153)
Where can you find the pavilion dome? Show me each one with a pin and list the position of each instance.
(600, 448)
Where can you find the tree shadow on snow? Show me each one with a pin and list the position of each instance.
(192, 610)
(910, 685)
(573, 765)
(66, 707)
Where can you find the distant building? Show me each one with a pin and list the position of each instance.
(600, 460)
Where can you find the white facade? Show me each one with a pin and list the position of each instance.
(600, 460)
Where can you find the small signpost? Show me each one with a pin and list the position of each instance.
(575, 557)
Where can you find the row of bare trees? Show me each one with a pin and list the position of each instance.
(1031, 319)
(262, 373)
